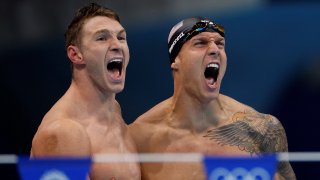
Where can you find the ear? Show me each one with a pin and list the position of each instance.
(74, 54)
(175, 64)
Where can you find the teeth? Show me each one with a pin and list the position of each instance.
(213, 65)
(116, 60)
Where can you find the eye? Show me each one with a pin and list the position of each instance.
(101, 38)
(120, 38)
(220, 43)
(200, 42)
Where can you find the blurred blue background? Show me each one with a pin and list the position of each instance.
(273, 62)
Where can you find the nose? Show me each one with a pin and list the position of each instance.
(115, 44)
(213, 49)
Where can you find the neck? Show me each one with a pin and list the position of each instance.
(189, 113)
(87, 102)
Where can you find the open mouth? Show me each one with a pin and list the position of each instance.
(115, 67)
(211, 73)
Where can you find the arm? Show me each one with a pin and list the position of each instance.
(257, 134)
(284, 169)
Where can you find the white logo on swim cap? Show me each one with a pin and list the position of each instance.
(175, 41)
(174, 29)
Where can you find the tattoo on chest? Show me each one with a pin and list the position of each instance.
(252, 132)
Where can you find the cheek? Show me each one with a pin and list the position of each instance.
(125, 48)
(95, 53)
(126, 52)
(224, 69)
(223, 55)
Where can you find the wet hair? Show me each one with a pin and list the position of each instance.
(73, 33)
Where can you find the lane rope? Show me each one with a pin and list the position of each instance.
(172, 157)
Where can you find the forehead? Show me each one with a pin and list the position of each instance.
(98, 23)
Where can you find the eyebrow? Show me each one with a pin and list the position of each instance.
(109, 32)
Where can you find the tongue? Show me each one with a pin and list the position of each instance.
(114, 68)
(210, 81)
(114, 73)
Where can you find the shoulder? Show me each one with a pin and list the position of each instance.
(232, 105)
(263, 129)
(269, 134)
(259, 121)
(155, 115)
(142, 129)
(147, 124)
(248, 125)
(240, 111)
(61, 137)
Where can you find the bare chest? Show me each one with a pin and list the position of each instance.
(110, 139)
(186, 142)
(113, 141)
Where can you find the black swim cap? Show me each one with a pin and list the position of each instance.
(188, 28)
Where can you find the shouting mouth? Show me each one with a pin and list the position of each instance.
(115, 68)
(211, 73)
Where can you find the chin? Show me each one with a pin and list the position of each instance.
(116, 88)
(211, 97)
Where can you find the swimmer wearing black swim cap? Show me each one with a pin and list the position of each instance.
(197, 118)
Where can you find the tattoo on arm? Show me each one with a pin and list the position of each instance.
(255, 133)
